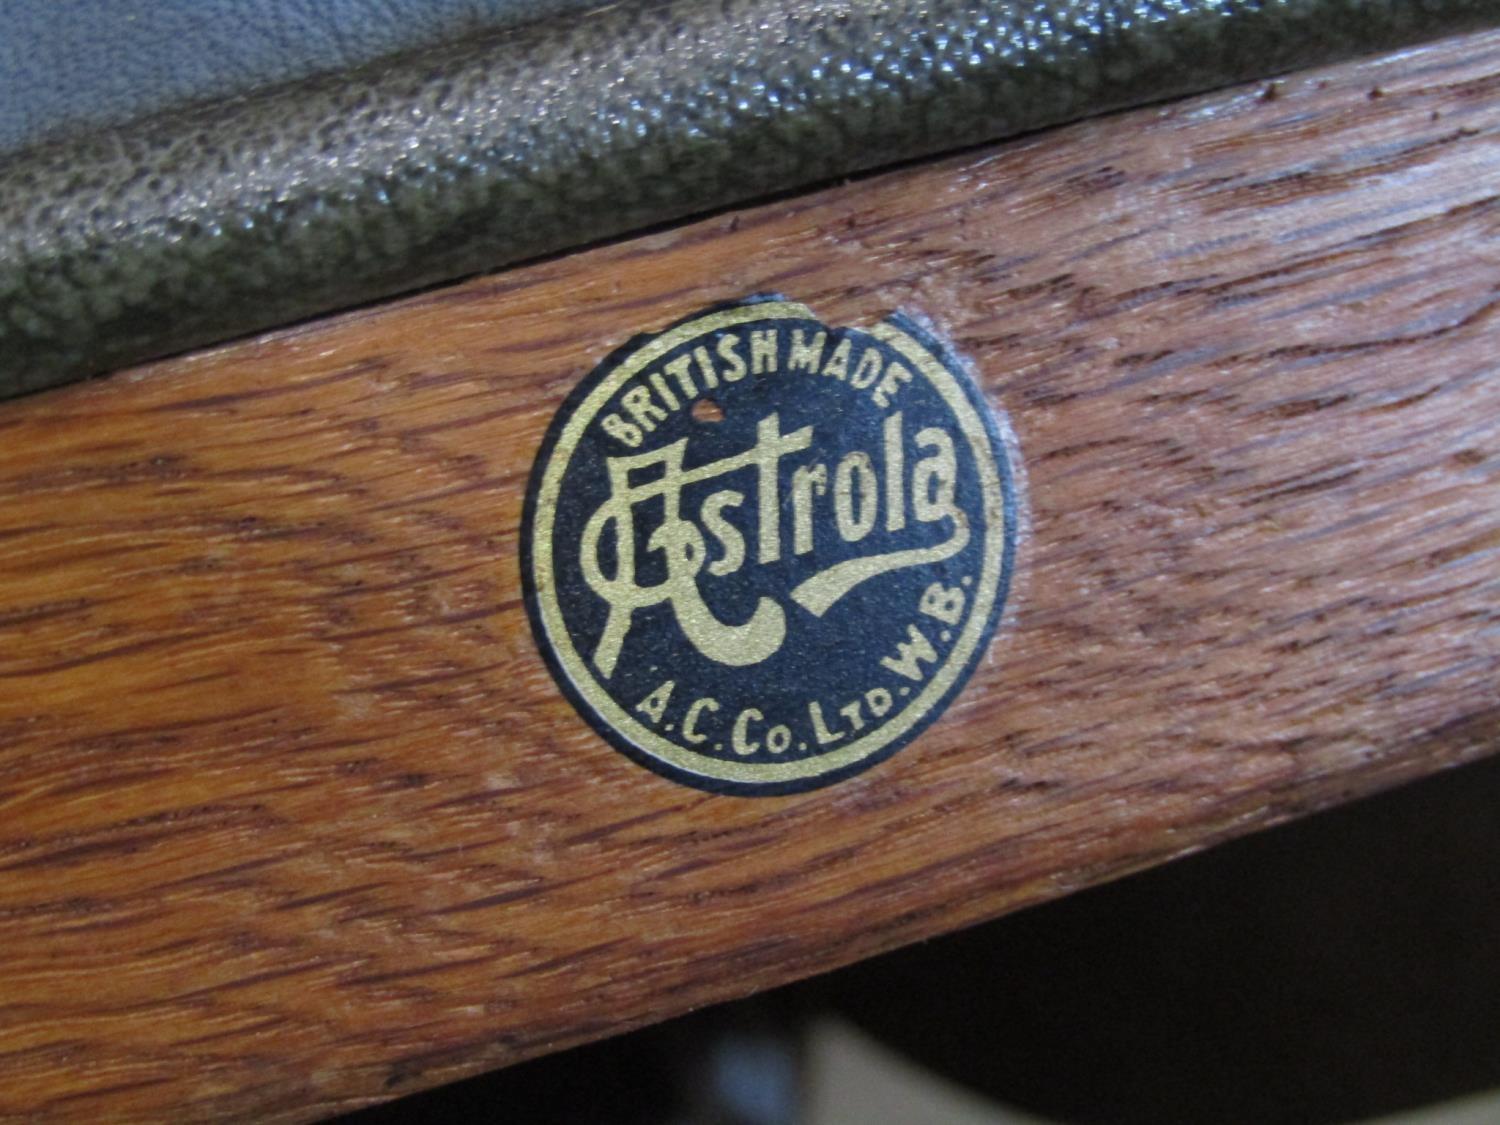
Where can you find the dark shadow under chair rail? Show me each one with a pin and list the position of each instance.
(192, 227)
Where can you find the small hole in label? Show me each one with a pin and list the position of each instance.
(707, 410)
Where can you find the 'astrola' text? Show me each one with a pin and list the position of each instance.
(865, 490)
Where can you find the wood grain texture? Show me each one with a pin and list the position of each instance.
(292, 816)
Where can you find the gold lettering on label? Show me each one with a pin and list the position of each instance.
(866, 371)
(678, 369)
(681, 542)
(656, 380)
(805, 479)
(889, 384)
(804, 354)
(690, 729)
(654, 706)
(763, 351)
(729, 537)
(727, 348)
(946, 603)
(856, 491)
(637, 400)
(739, 737)
(855, 520)
(838, 363)
(821, 732)
(706, 367)
(650, 404)
(895, 474)
(850, 711)
(910, 655)
(627, 433)
(934, 478)
(769, 448)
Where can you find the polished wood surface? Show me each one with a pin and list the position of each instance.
(293, 818)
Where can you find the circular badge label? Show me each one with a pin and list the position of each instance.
(761, 553)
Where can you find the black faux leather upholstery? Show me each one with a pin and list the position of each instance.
(66, 64)
(189, 228)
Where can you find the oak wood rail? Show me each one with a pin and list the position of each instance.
(292, 817)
